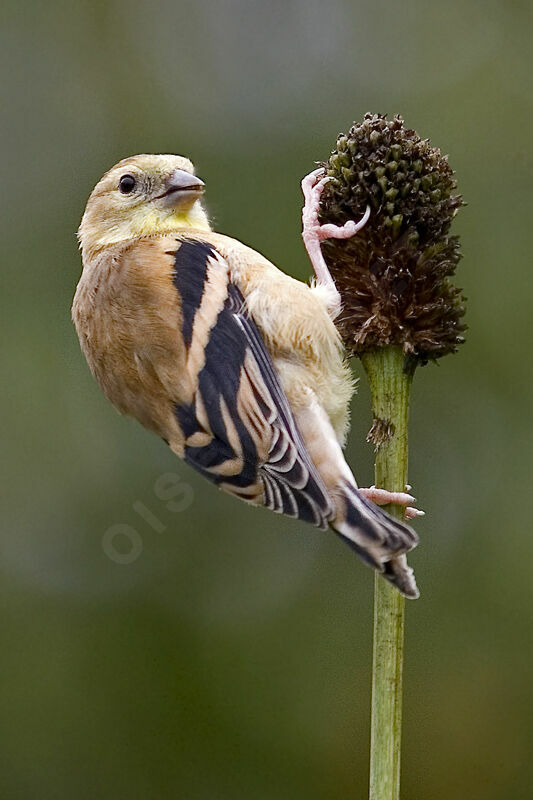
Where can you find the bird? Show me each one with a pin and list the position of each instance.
(235, 364)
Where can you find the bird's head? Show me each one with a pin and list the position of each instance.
(140, 196)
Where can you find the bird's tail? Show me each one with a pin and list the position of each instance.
(378, 539)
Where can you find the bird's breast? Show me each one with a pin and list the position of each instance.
(128, 316)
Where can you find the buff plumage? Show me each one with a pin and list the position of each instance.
(236, 365)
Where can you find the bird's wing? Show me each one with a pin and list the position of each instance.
(238, 426)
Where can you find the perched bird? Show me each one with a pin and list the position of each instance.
(236, 365)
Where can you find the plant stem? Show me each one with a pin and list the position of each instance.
(390, 385)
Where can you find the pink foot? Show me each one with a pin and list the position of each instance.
(382, 497)
(313, 233)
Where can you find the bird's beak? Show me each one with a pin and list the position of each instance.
(181, 188)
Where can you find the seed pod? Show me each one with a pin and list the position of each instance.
(394, 275)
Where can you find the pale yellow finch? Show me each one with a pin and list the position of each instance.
(236, 365)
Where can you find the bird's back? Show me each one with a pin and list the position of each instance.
(128, 296)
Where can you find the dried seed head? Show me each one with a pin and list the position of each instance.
(394, 275)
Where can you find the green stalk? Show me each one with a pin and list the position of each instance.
(390, 385)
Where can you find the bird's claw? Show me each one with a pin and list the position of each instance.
(310, 182)
(312, 188)
(383, 497)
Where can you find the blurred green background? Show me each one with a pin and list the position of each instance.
(231, 657)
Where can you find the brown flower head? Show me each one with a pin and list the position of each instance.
(394, 275)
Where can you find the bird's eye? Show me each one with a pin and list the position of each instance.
(127, 184)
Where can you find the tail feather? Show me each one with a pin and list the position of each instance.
(378, 539)
(398, 572)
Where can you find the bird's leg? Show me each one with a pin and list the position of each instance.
(382, 497)
(314, 233)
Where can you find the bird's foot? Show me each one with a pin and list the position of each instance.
(312, 188)
(313, 233)
(382, 497)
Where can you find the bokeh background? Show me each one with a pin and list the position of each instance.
(202, 649)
